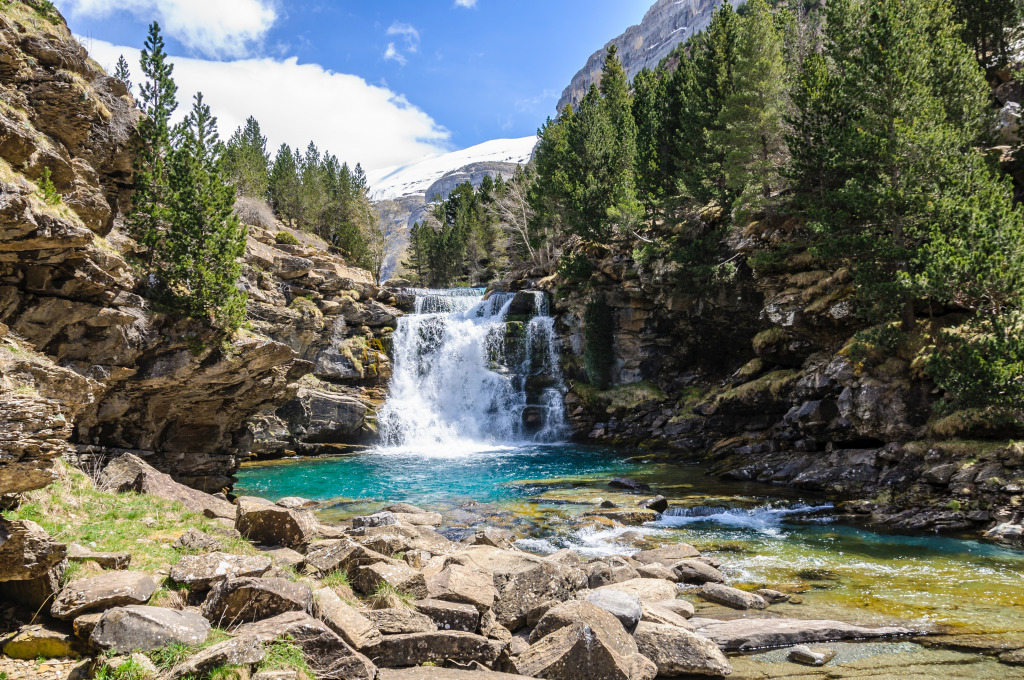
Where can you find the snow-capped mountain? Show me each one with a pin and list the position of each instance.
(417, 177)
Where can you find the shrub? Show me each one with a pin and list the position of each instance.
(598, 333)
(47, 190)
(980, 364)
(255, 212)
(575, 268)
(284, 238)
(45, 9)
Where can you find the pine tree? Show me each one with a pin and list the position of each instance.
(625, 209)
(284, 184)
(122, 73)
(751, 126)
(159, 101)
(204, 240)
(649, 112)
(986, 27)
(246, 161)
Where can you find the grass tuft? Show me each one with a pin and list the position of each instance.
(284, 655)
(389, 597)
(336, 579)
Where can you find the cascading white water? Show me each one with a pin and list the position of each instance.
(464, 378)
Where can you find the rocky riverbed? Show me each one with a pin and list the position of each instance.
(250, 587)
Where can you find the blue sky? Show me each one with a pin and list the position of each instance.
(428, 74)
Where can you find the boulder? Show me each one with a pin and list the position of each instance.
(241, 600)
(285, 557)
(194, 540)
(79, 553)
(646, 589)
(658, 571)
(381, 519)
(658, 504)
(329, 656)
(450, 615)
(400, 621)
(274, 525)
(629, 483)
(420, 519)
(731, 597)
(344, 619)
(772, 596)
(655, 613)
(85, 624)
(405, 509)
(416, 649)
(608, 571)
(397, 538)
(523, 581)
(128, 472)
(745, 634)
(237, 651)
(680, 607)
(599, 620)
(201, 572)
(581, 652)
(296, 503)
(803, 654)
(399, 576)
(568, 557)
(99, 593)
(668, 555)
(494, 537)
(623, 606)
(140, 629)
(33, 642)
(459, 583)
(27, 551)
(677, 652)
(696, 572)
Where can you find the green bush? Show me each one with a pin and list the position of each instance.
(45, 9)
(575, 268)
(286, 239)
(981, 364)
(46, 188)
(599, 335)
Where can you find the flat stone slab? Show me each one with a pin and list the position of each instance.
(107, 560)
(201, 572)
(99, 593)
(241, 600)
(140, 629)
(747, 634)
(33, 642)
(420, 648)
(731, 597)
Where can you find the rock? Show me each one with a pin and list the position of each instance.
(772, 596)
(458, 583)
(273, 525)
(296, 503)
(523, 581)
(696, 572)
(381, 519)
(33, 642)
(437, 673)
(140, 629)
(143, 667)
(581, 652)
(628, 517)
(658, 504)
(646, 589)
(344, 619)
(201, 572)
(27, 551)
(608, 571)
(85, 624)
(496, 538)
(423, 519)
(679, 607)
(628, 483)
(803, 654)
(450, 615)
(99, 593)
(327, 654)
(624, 607)
(416, 649)
(598, 619)
(655, 613)
(731, 597)
(745, 634)
(128, 472)
(405, 509)
(237, 651)
(568, 557)
(668, 555)
(390, 540)
(78, 553)
(285, 557)
(400, 621)
(657, 571)
(677, 652)
(280, 675)
(399, 576)
(1012, 658)
(194, 540)
(241, 600)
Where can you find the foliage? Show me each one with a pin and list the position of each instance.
(284, 654)
(575, 267)
(383, 235)
(128, 670)
(598, 334)
(47, 191)
(336, 579)
(122, 73)
(988, 27)
(45, 9)
(286, 238)
(246, 162)
(388, 597)
(981, 363)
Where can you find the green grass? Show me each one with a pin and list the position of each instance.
(389, 597)
(173, 654)
(129, 670)
(72, 509)
(335, 579)
(284, 655)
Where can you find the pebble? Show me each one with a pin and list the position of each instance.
(52, 669)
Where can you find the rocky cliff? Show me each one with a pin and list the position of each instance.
(667, 24)
(88, 366)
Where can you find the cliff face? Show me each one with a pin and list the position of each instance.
(667, 24)
(90, 368)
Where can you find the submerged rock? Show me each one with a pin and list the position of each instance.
(744, 634)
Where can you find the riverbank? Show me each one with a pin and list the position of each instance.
(394, 590)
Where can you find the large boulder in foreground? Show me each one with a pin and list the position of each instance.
(328, 656)
(344, 619)
(523, 581)
(99, 593)
(416, 649)
(582, 652)
(645, 589)
(140, 629)
(399, 576)
(744, 634)
(623, 606)
(27, 551)
(400, 621)
(600, 621)
(128, 472)
(459, 583)
(241, 600)
(676, 651)
(274, 525)
(201, 572)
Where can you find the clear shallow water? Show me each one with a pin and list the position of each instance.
(765, 536)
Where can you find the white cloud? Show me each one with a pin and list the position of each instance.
(412, 42)
(391, 54)
(296, 103)
(215, 28)
(465, 3)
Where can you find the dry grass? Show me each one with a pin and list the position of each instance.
(255, 212)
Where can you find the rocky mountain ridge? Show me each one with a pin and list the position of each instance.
(667, 24)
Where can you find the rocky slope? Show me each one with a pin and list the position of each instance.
(667, 24)
(89, 368)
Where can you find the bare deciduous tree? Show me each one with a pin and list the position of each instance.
(384, 234)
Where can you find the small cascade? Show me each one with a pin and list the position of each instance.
(471, 370)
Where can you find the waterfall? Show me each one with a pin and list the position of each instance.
(468, 373)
